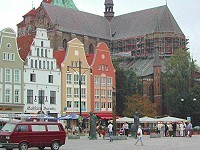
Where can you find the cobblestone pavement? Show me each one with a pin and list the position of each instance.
(163, 143)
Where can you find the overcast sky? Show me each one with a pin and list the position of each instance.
(186, 13)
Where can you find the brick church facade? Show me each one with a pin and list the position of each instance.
(143, 40)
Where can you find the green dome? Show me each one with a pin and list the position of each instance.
(65, 3)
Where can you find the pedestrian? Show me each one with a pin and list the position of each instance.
(126, 129)
(110, 131)
(139, 135)
(181, 129)
(189, 129)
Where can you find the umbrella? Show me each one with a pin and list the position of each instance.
(148, 120)
(70, 116)
(171, 119)
(125, 119)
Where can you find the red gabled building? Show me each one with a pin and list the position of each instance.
(102, 81)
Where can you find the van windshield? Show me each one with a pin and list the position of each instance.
(8, 127)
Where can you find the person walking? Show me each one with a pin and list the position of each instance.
(110, 131)
(126, 129)
(181, 129)
(139, 135)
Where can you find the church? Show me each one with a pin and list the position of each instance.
(143, 40)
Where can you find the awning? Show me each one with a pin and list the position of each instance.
(105, 115)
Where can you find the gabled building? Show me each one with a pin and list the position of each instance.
(42, 77)
(102, 81)
(75, 82)
(135, 37)
(11, 74)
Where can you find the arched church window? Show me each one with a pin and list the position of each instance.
(91, 49)
(65, 44)
(151, 93)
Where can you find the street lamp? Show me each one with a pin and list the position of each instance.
(80, 82)
(41, 100)
(114, 110)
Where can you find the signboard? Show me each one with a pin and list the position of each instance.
(189, 119)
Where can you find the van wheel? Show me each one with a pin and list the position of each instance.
(55, 145)
(41, 148)
(23, 146)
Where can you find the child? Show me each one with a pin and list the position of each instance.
(103, 133)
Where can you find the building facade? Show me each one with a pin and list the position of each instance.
(42, 77)
(11, 74)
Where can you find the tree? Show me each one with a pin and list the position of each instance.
(140, 104)
(178, 80)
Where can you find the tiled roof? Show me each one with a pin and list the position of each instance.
(59, 55)
(24, 43)
(78, 22)
(124, 26)
(89, 58)
(144, 22)
(144, 67)
(31, 12)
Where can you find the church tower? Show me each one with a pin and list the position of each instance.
(109, 14)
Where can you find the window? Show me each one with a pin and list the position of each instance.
(76, 104)
(83, 92)
(109, 82)
(109, 104)
(22, 128)
(42, 43)
(103, 105)
(7, 95)
(38, 128)
(17, 76)
(69, 92)
(30, 96)
(103, 81)
(8, 56)
(97, 106)
(106, 67)
(45, 52)
(109, 93)
(103, 93)
(52, 127)
(1, 73)
(8, 75)
(52, 97)
(96, 93)
(40, 64)
(83, 106)
(43, 64)
(41, 96)
(69, 104)
(4, 56)
(76, 92)
(99, 67)
(76, 78)
(38, 52)
(12, 57)
(69, 78)
(32, 77)
(52, 65)
(0, 95)
(35, 63)
(96, 80)
(83, 79)
(31, 63)
(42, 53)
(50, 78)
(16, 96)
(47, 64)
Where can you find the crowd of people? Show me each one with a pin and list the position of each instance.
(175, 129)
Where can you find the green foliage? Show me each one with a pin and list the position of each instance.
(178, 80)
(140, 104)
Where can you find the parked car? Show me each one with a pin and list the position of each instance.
(24, 135)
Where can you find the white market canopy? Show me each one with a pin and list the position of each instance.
(148, 120)
(125, 119)
(171, 119)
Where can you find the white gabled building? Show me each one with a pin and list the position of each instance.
(42, 77)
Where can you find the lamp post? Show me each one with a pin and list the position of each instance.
(114, 110)
(41, 99)
(80, 83)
